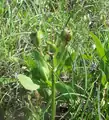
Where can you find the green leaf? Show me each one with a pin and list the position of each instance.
(107, 85)
(67, 92)
(38, 67)
(30, 62)
(99, 47)
(41, 65)
(103, 78)
(27, 82)
(70, 59)
(59, 58)
(36, 38)
(64, 88)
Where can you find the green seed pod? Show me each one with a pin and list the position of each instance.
(66, 35)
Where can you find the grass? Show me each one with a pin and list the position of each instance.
(74, 82)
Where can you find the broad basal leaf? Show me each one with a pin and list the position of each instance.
(27, 82)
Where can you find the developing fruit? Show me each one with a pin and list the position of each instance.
(66, 35)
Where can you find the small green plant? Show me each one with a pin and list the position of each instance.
(54, 59)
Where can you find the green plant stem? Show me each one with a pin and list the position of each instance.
(53, 93)
(98, 95)
(87, 101)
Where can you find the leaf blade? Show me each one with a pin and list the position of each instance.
(99, 46)
(27, 83)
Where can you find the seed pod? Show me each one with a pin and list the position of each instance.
(66, 35)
